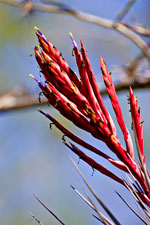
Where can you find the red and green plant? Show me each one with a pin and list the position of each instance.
(80, 101)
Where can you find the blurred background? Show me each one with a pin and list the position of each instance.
(33, 159)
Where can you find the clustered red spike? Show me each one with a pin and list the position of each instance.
(81, 103)
(115, 103)
(91, 76)
(55, 55)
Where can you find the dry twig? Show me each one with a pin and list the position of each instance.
(63, 9)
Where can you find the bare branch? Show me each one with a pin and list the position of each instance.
(17, 98)
(10, 101)
(63, 9)
(125, 10)
(145, 31)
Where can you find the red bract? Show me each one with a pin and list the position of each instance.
(80, 101)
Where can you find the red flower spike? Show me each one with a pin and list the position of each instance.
(115, 103)
(137, 123)
(105, 115)
(59, 79)
(81, 103)
(53, 73)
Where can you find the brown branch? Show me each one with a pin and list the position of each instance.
(145, 31)
(11, 100)
(63, 9)
(125, 10)
(131, 69)
(17, 99)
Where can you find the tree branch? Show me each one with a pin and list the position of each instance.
(145, 31)
(125, 10)
(63, 9)
(14, 100)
